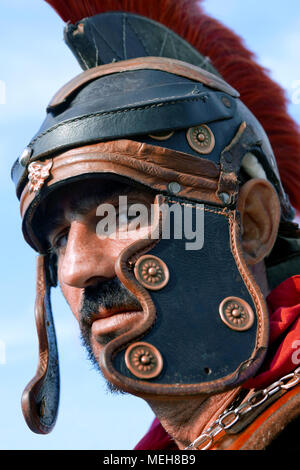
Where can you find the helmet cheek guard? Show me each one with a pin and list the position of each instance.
(182, 131)
(173, 350)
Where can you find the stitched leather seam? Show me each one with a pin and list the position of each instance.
(243, 273)
(86, 116)
(220, 212)
(138, 36)
(164, 42)
(124, 35)
(94, 28)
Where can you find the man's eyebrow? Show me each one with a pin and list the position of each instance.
(85, 204)
(76, 205)
(81, 205)
(53, 222)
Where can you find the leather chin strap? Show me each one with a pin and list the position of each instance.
(40, 398)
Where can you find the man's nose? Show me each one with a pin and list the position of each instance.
(87, 259)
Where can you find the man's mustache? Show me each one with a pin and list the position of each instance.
(108, 295)
(111, 294)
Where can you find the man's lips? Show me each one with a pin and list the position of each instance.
(115, 322)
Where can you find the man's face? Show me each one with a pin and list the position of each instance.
(86, 258)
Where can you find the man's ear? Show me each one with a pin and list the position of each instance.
(259, 207)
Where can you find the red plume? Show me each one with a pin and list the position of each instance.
(229, 56)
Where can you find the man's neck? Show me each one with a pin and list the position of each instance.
(184, 419)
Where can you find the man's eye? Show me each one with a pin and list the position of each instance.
(60, 241)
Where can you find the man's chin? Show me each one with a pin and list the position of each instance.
(93, 352)
(96, 359)
(114, 389)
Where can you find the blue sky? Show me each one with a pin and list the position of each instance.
(34, 64)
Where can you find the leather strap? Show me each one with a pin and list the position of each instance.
(174, 66)
(40, 398)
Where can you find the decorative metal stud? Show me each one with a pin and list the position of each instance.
(151, 272)
(25, 156)
(162, 135)
(38, 172)
(225, 198)
(174, 187)
(143, 360)
(236, 313)
(201, 139)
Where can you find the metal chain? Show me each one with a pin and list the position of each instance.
(230, 417)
